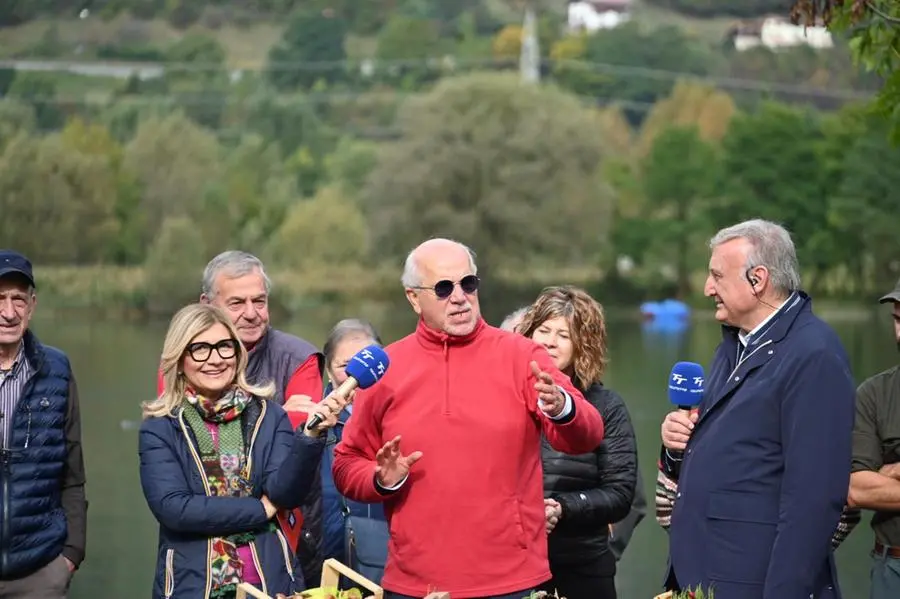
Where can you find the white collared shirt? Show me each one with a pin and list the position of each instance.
(745, 337)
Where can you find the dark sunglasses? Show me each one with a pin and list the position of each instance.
(444, 289)
(201, 351)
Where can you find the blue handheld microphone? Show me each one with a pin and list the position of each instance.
(686, 385)
(363, 370)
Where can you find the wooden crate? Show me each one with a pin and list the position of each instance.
(332, 570)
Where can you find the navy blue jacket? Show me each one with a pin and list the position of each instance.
(284, 465)
(767, 468)
(333, 537)
(39, 485)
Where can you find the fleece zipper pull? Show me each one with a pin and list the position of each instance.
(446, 405)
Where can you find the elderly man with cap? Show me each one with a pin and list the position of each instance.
(875, 477)
(43, 512)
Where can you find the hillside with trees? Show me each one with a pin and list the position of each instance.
(381, 127)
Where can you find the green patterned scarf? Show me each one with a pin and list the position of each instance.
(224, 459)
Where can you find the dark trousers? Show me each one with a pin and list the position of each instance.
(516, 595)
(50, 582)
(582, 581)
(885, 577)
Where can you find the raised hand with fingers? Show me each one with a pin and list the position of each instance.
(550, 398)
(391, 466)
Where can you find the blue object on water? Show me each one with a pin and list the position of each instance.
(667, 316)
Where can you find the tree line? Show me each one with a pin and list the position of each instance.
(549, 181)
(365, 16)
(637, 145)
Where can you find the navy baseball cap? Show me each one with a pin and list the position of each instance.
(893, 296)
(15, 263)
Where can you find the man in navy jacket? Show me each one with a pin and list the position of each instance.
(763, 466)
(43, 510)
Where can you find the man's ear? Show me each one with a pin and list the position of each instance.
(413, 299)
(204, 299)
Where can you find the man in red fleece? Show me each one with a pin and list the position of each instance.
(466, 507)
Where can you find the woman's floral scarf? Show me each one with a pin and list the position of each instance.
(225, 467)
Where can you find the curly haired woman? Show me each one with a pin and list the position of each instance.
(585, 494)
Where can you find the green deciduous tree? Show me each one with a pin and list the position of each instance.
(513, 169)
(196, 78)
(248, 202)
(95, 140)
(311, 49)
(58, 203)
(690, 104)
(405, 45)
(15, 116)
(174, 161)
(175, 257)
(679, 176)
(864, 195)
(873, 27)
(772, 157)
(321, 233)
(636, 66)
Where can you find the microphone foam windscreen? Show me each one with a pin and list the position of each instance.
(686, 384)
(368, 365)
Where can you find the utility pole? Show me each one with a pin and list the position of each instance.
(530, 56)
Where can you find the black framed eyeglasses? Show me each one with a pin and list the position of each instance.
(201, 351)
(444, 288)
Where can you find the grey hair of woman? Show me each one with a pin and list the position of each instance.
(345, 329)
(512, 321)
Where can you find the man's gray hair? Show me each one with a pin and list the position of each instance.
(770, 246)
(512, 321)
(413, 278)
(232, 264)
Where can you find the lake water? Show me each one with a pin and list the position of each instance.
(116, 363)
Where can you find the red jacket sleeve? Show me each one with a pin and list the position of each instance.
(306, 380)
(580, 434)
(354, 457)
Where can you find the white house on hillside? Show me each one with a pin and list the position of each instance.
(591, 15)
(778, 32)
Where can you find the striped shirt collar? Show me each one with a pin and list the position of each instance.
(18, 361)
(12, 383)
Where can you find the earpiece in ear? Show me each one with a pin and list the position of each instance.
(754, 281)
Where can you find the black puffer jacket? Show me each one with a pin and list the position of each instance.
(595, 489)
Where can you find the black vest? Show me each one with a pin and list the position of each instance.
(32, 521)
(276, 357)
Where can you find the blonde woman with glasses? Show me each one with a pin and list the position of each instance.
(217, 461)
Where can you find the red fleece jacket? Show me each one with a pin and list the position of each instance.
(469, 520)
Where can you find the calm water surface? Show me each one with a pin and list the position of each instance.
(115, 365)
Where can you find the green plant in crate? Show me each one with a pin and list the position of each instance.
(697, 593)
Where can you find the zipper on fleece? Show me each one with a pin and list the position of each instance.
(446, 353)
